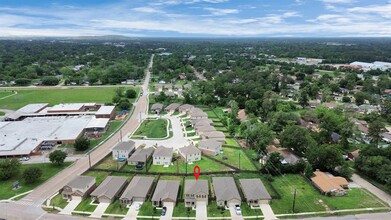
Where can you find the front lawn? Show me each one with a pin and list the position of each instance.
(181, 211)
(116, 208)
(85, 205)
(108, 163)
(48, 170)
(147, 209)
(58, 201)
(248, 211)
(99, 176)
(152, 128)
(215, 211)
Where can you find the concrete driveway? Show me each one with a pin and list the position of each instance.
(132, 213)
(201, 211)
(100, 210)
(71, 206)
(234, 216)
(267, 212)
(170, 210)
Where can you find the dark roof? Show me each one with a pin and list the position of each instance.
(138, 187)
(141, 154)
(196, 186)
(162, 151)
(80, 182)
(166, 189)
(225, 188)
(125, 145)
(189, 150)
(109, 187)
(209, 144)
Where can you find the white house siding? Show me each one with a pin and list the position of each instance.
(120, 154)
(162, 160)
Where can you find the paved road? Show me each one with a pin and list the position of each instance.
(374, 216)
(29, 207)
(371, 188)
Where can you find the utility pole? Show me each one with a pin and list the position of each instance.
(120, 134)
(117, 160)
(294, 201)
(140, 116)
(89, 158)
(186, 164)
(239, 160)
(146, 164)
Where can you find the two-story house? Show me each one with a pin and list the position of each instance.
(190, 153)
(162, 156)
(196, 191)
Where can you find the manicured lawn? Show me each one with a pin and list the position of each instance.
(231, 142)
(85, 205)
(356, 199)
(5, 93)
(147, 210)
(58, 201)
(211, 114)
(247, 211)
(153, 128)
(116, 208)
(56, 96)
(48, 170)
(206, 165)
(112, 128)
(223, 129)
(233, 158)
(191, 134)
(108, 163)
(2, 113)
(307, 197)
(214, 211)
(181, 211)
(100, 176)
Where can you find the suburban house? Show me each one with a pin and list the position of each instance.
(201, 122)
(110, 188)
(187, 86)
(123, 150)
(211, 147)
(215, 135)
(157, 108)
(330, 185)
(185, 108)
(254, 192)
(242, 116)
(178, 87)
(203, 129)
(353, 155)
(190, 153)
(287, 154)
(172, 107)
(166, 191)
(141, 155)
(196, 191)
(196, 113)
(79, 187)
(162, 156)
(226, 192)
(137, 190)
(159, 87)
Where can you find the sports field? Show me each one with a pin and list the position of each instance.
(56, 96)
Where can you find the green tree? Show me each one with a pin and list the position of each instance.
(297, 138)
(346, 132)
(259, 135)
(308, 171)
(82, 143)
(119, 91)
(325, 157)
(124, 104)
(360, 98)
(57, 157)
(345, 171)
(32, 174)
(251, 107)
(131, 94)
(375, 129)
(234, 110)
(9, 168)
(50, 81)
(273, 164)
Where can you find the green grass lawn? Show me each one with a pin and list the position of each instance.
(206, 165)
(231, 142)
(247, 211)
(116, 208)
(108, 163)
(5, 93)
(356, 199)
(100, 176)
(2, 113)
(181, 211)
(48, 170)
(58, 201)
(233, 158)
(146, 209)
(191, 134)
(153, 128)
(112, 128)
(214, 211)
(211, 114)
(56, 96)
(85, 205)
(307, 197)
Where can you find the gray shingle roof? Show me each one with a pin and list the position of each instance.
(225, 188)
(206, 128)
(157, 106)
(214, 134)
(201, 122)
(209, 144)
(125, 145)
(185, 107)
(253, 189)
(141, 154)
(162, 151)
(172, 107)
(138, 187)
(81, 182)
(196, 186)
(189, 150)
(109, 187)
(166, 189)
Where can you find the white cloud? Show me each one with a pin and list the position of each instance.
(338, 1)
(221, 11)
(382, 10)
(147, 10)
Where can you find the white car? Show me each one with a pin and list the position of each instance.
(24, 159)
(238, 210)
(138, 206)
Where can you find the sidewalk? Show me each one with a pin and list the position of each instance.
(371, 188)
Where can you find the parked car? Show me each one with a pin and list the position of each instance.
(24, 159)
(139, 166)
(164, 210)
(238, 210)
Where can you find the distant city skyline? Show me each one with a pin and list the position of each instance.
(197, 18)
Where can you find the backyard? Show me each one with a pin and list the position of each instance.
(153, 128)
(231, 156)
(56, 96)
(48, 170)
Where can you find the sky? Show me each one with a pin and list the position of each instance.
(196, 18)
